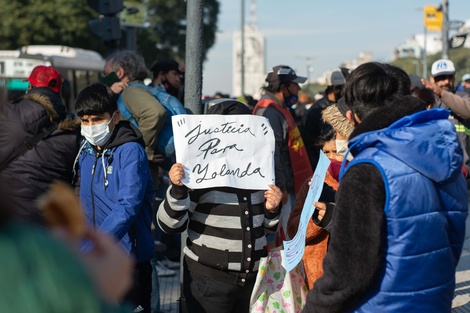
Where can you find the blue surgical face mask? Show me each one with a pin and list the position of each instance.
(97, 135)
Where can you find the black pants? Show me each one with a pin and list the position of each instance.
(142, 287)
(207, 295)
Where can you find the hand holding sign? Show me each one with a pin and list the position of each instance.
(176, 174)
(295, 248)
(225, 150)
(273, 197)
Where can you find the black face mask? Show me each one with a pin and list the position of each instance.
(170, 89)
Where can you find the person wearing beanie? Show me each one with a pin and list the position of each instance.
(167, 72)
(220, 261)
(39, 142)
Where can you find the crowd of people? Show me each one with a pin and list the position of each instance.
(371, 245)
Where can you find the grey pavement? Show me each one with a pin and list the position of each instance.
(169, 293)
(461, 301)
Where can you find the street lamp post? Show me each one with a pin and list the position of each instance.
(445, 29)
(242, 53)
(308, 61)
(309, 67)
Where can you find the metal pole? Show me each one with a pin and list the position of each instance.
(445, 29)
(130, 38)
(425, 56)
(193, 58)
(192, 89)
(308, 69)
(242, 53)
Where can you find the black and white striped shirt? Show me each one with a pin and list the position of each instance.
(226, 229)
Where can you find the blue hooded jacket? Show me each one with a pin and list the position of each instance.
(116, 190)
(420, 160)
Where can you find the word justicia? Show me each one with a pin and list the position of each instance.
(224, 128)
(224, 171)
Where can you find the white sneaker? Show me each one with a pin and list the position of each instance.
(162, 271)
(170, 264)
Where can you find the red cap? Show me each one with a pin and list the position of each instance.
(45, 76)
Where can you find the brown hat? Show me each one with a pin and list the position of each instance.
(337, 120)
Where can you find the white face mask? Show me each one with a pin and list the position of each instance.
(97, 135)
(342, 148)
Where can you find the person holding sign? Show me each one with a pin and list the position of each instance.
(226, 234)
(398, 226)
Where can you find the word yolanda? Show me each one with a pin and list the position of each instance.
(224, 171)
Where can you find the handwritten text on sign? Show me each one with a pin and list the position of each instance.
(225, 150)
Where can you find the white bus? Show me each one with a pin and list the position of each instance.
(79, 68)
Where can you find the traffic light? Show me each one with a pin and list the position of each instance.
(107, 27)
(106, 7)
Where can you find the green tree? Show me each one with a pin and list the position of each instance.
(166, 35)
(46, 22)
(460, 57)
(65, 22)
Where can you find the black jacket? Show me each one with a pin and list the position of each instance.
(312, 127)
(50, 159)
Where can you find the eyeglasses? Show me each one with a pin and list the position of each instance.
(444, 77)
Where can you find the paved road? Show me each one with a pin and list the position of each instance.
(461, 301)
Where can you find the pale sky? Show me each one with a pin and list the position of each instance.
(328, 32)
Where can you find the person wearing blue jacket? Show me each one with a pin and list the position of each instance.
(116, 189)
(398, 226)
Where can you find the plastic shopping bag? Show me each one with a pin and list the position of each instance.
(278, 291)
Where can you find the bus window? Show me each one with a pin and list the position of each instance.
(16, 88)
(82, 81)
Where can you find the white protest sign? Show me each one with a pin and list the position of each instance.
(294, 249)
(225, 150)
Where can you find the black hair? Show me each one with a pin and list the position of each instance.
(373, 85)
(96, 99)
(328, 135)
(424, 94)
(228, 107)
(164, 65)
(271, 87)
(275, 86)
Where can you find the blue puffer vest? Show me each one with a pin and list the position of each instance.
(420, 160)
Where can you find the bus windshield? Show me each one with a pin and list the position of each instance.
(78, 67)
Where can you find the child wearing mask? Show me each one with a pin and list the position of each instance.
(116, 189)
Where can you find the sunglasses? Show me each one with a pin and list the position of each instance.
(444, 77)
